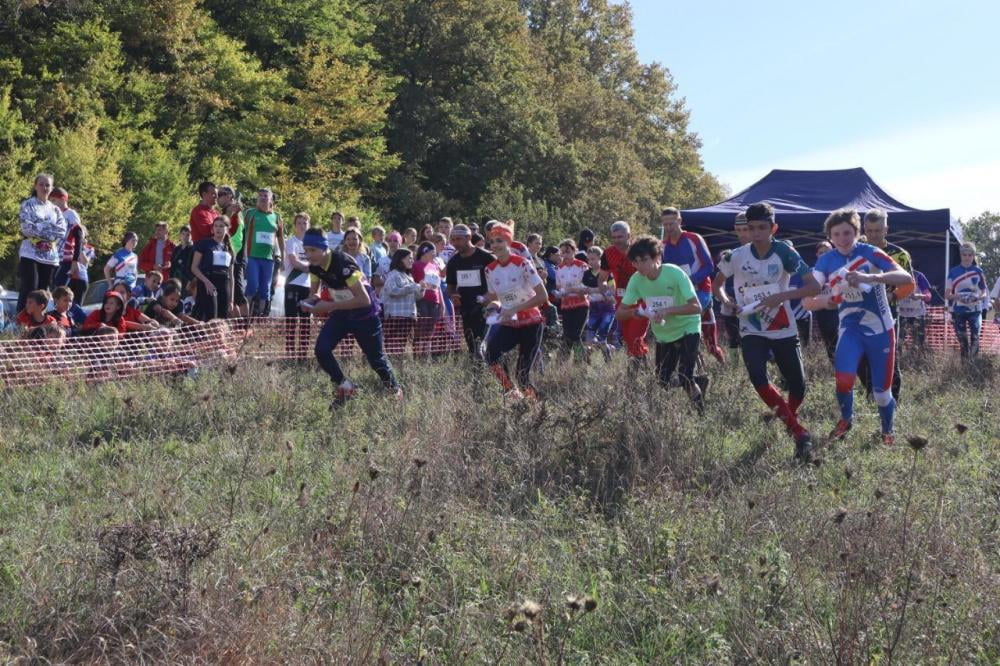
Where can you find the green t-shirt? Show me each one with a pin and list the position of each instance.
(265, 229)
(672, 287)
(237, 238)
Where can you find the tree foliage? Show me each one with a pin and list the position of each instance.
(984, 231)
(401, 110)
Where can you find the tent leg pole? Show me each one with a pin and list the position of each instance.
(947, 255)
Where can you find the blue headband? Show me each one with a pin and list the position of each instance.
(317, 241)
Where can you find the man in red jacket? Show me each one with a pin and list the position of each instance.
(158, 251)
(204, 213)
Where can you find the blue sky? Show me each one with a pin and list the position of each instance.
(908, 90)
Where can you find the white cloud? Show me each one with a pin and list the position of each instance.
(950, 163)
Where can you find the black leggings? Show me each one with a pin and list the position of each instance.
(296, 321)
(829, 329)
(732, 324)
(805, 326)
(504, 338)
(574, 321)
(32, 275)
(757, 350)
(681, 352)
(474, 330)
(208, 307)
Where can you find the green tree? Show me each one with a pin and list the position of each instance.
(984, 231)
(16, 158)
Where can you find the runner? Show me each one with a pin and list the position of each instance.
(826, 317)
(673, 308)
(602, 304)
(688, 251)
(857, 274)
(729, 311)
(339, 288)
(466, 279)
(912, 320)
(876, 229)
(964, 289)
(616, 264)
(517, 290)
(574, 304)
(762, 272)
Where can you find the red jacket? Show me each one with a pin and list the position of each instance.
(147, 258)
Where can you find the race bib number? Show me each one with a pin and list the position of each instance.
(469, 279)
(221, 258)
(754, 295)
(852, 295)
(515, 298)
(659, 302)
(340, 295)
(911, 307)
(432, 280)
(264, 238)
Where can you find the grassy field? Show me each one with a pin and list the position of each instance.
(232, 518)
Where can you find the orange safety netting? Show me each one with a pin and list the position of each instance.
(224, 342)
(221, 342)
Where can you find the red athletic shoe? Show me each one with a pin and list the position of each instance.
(888, 438)
(840, 432)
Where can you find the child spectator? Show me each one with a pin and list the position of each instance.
(33, 315)
(109, 319)
(124, 263)
(167, 309)
(157, 254)
(399, 301)
(149, 290)
(602, 302)
(180, 260)
(427, 271)
(134, 319)
(66, 313)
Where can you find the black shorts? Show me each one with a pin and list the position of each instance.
(240, 281)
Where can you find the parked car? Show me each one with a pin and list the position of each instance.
(8, 306)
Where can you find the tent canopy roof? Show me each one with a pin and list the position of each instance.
(803, 199)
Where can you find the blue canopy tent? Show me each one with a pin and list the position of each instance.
(803, 199)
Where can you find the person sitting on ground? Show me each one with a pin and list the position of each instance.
(167, 308)
(134, 319)
(67, 314)
(109, 319)
(33, 315)
(148, 290)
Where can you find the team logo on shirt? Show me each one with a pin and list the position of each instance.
(773, 270)
(347, 271)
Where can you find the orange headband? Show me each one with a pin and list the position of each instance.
(502, 231)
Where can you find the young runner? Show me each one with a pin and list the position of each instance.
(875, 226)
(964, 289)
(674, 310)
(912, 320)
(466, 278)
(688, 251)
(515, 287)
(857, 274)
(574, 303)
(762, 272)
(602, 304)
(123, 265)
(339, 288)
(729, 311)
(616, 264)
